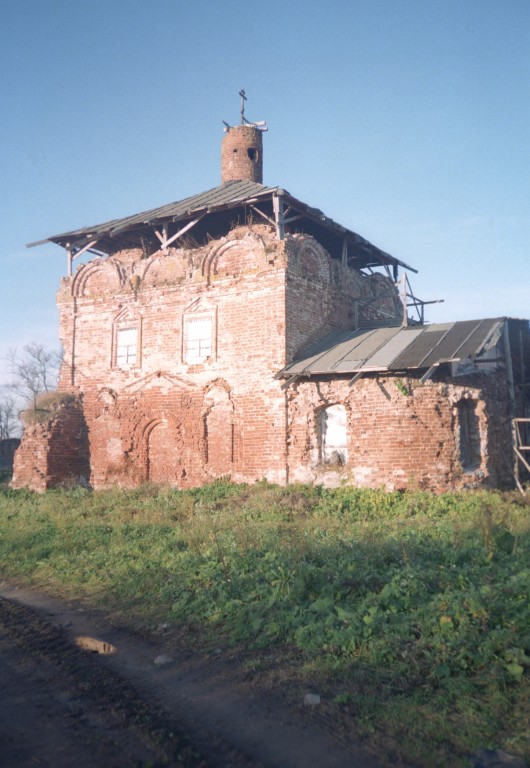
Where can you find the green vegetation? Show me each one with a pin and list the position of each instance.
(408, 612)
(44, 406)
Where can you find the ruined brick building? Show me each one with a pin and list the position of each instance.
(242, 333)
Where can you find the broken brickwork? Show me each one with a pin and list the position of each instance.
(54, 452)
(180, 342)
(153, 410)
(175, 356)
(401, 433)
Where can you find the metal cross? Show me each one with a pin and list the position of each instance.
(243, 99)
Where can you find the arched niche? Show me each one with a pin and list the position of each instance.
(98, 277)
(163, 450)
(313, 262)
(165, 269)
(218, 419)
(235, 257)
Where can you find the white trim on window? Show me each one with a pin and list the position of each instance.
(198, 338)
(127, 344)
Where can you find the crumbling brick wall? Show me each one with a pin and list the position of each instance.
(55, 451)
(322, 296)
(164, 418)
(401, 434)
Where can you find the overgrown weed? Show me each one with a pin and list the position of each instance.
(408, 609)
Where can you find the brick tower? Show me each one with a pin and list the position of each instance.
(242, 154)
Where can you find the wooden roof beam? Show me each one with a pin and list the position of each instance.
(164, 238)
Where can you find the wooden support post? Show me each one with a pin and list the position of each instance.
(344, 253)
(263, 215)
(69, 259)
(165, 240)
(427, 376)
(355, 378)
(509, 369)
(277, 202)
(521, 358)
(290, 381)
(403, 281)
(515, 441)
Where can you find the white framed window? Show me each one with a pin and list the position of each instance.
(198, 339)
(334, 435)
(126, 347)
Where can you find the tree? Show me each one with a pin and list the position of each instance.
(8, 417)
(34, 372)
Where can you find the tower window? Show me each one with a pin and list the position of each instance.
(252, 153)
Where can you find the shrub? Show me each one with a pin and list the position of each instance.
(45, 405)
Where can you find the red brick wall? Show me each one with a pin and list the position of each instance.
(55, 451)
(166, 419)
(400, 434)
(322, 296)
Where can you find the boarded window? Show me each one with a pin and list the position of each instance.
(198, 339)
(126, 347)
(334, 435)
(469, 435)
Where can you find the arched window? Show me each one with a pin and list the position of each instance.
(333, 446)
(469, 435)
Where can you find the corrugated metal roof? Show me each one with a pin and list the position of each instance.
(395, 349)
(136, 230)
(384, 357)
(423, 345)
(226, 194)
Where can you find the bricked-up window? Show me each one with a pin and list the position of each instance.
(469, 435)
(198, 341)
(334, 435)
(126, 347)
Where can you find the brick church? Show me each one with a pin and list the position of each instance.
(242, 333)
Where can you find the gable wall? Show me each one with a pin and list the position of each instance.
(165, 419)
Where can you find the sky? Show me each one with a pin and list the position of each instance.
(408, 121)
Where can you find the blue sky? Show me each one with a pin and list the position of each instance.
(406, 120)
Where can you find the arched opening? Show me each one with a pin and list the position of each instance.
(162, 453)
(468, 435)
(219, 432)
(333, 435)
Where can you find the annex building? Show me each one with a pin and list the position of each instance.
(241, 332)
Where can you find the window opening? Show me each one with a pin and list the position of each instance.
(468, 424)
(334, 435)
(198, 339)
(127, 347)
(252, 153)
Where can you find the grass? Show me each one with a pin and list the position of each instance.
(408, 612)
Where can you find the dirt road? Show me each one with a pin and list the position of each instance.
(75, 691)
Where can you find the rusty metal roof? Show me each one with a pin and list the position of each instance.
(396, 348)
(218, 210)
(228, 194)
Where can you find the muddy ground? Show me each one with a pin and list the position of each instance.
(77, 691)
